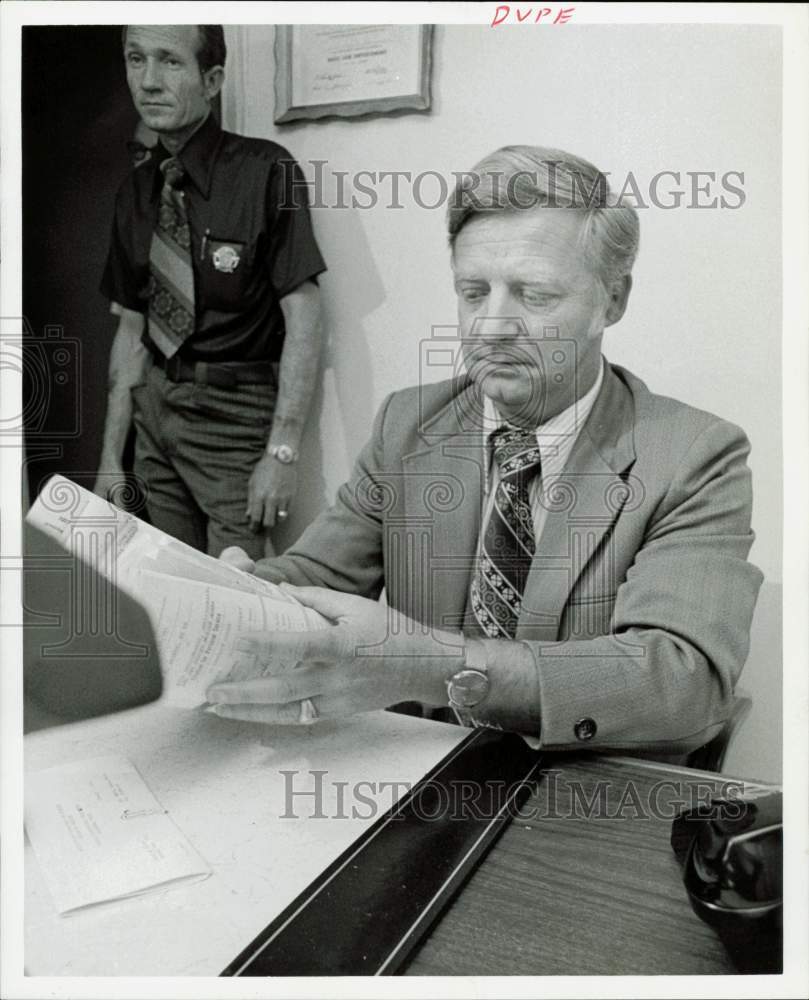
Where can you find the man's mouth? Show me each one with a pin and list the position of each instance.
(501, 361)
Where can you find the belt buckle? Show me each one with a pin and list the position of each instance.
(172, 368)
(223, 378)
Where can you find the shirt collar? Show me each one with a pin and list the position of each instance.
(556, 435)
(198, 155)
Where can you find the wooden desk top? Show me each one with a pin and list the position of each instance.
(564, 894)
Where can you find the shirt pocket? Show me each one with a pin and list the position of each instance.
(226, 272)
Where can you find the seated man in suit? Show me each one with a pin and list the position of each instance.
(563, 552)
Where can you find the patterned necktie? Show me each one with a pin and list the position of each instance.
(508, 538)
(171, 285)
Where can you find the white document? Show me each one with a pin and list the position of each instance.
(196, 625)
(198, 606)
(99, 833)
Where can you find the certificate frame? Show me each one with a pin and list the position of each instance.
(289, 75)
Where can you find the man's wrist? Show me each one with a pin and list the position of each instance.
(443, 657)
(286, 434)
(286, 429)
(109, 460)
(468, 687)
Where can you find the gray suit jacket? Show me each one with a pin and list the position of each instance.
(638, 605)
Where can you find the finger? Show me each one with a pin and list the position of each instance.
(243, 669)
(330, 603)
(334, 706)
(268, 714)
(247, 666)
(347, 699)
(319, 644)
(234, 555)
(251, 496)
(280, 689)
(259, 660)
(270, 510)
(255, 512)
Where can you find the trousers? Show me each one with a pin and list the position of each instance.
(195, 448)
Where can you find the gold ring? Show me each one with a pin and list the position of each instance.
(282, 514)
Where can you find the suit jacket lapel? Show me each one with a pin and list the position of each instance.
(582, 505)
(443, 484)
(443, 489)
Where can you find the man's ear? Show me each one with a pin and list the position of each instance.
(619, 296)
(212, 80)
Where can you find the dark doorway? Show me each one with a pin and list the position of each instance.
(77, 118)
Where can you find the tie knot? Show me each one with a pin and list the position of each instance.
(515, 450)
(173, 171)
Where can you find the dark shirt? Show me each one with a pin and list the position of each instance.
(244, 194)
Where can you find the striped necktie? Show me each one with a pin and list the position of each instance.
(171, 288)
(507, 545)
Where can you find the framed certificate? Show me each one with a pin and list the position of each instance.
(350, 69)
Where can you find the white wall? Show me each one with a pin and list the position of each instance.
(704, 320)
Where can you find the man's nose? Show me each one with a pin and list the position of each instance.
(499, 327)
(152, 78)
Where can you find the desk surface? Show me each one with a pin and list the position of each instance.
(224, 785)
(567, 893)
(561, 893)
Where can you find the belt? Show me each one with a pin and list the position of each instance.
(224, 374)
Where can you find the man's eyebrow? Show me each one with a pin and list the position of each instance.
(160, 53)
(549, 283)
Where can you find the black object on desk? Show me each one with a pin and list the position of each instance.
(732, 856)
(369, 910)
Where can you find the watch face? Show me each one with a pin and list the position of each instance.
(284, 454)
(468, 688)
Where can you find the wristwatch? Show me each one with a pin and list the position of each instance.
(284, 454)
(469, 686)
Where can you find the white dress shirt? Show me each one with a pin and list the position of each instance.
(555, 438)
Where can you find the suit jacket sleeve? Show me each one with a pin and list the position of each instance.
(663, 677)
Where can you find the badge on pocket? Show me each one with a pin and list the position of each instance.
(225, 255)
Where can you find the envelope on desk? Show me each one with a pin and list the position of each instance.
(99, 834)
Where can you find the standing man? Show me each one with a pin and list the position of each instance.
(214, 266)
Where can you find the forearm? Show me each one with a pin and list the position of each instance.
(299, 364)
(513, 700)
(128, 361)
(644, 689)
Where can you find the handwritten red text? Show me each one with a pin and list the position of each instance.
(531, 15)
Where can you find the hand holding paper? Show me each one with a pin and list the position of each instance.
(198, 605)
(371, 658)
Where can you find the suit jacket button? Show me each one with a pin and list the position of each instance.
(585, 729)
